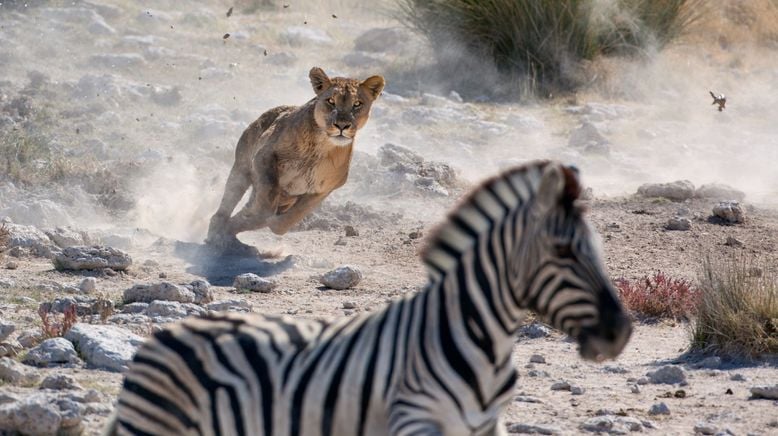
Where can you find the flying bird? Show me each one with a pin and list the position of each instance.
(719, 99)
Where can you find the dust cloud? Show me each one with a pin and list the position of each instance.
(158, 85)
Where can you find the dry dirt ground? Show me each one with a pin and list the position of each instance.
(633, 244)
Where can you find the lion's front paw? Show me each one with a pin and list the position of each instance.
(231, 246)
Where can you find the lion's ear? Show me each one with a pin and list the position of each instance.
(373, 85)
(319, 80)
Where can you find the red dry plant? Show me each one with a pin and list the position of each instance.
(53, 328)
(659, 296)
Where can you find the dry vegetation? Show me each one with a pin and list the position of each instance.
(545, 42)
(659, 296)
(738, 310)
(52, 327)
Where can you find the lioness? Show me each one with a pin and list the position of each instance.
(293, 157)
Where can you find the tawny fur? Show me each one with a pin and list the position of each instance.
(294, 157)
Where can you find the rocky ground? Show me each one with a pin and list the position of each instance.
(117, 125)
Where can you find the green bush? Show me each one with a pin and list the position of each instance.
(738, 310)
(544, 41)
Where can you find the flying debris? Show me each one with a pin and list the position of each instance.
(719, 99)
(286, 6)
(229, 12)
(226, 35)
(265, 52)
(334, 16)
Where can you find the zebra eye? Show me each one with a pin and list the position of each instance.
(563, 250)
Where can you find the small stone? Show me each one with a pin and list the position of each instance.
(60, 382)
(537, 358)
(668, 374)
(135, 307)
(679, 223)
(534, 331)
(349, 305)
(415, 234)
(342, 277)
(229, 305)
(635, 389)
(729, 392)
(705, 428)
(88, 284)
(615, 369)
(253, 283)
(765, 392)
(659, 409)
(526, 399)
(351, 231)
(340, 241)
(730, 212)
(11, 265)
(6, 328)
(680, 393)
(643, 381)
(560, 386)
(738, 377)
(165, 291)
(169, 309)
(202, 290)
(712, 362)
(162, 275)
(632, 424)
(577, 390)
(598, 424)
(521, 428)
(733, 242)
(52, 351)
(30, 338)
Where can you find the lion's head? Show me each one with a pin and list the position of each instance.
(342, 104)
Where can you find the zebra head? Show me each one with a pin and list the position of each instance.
(559, 272)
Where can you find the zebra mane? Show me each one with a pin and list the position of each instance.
(493, 199)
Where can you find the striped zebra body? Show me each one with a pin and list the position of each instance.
(437, 362)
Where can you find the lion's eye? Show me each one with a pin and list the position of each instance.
(331, 101)
(357, 103)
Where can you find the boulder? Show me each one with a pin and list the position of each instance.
(6, 328)
(679, 190)
(659, 409)
(668, 374)
(299, 36)
(88, 284)
(65, 237)
(202, 291)
(17, 374)
(679, 223)
(719, 191)
(42, 414)
(92, 257)
(104, 346)
(730, 212)
(342, 277)
(58, 382)
(164, 291)
(588, 139)
(31, 238)
(53, 351)
(765, 392)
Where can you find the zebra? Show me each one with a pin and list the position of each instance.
(438, 362)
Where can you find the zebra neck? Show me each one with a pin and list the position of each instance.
(468, 259)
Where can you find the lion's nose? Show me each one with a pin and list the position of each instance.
(342, 125)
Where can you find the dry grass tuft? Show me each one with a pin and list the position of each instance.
(659, 297)
(738, 312)
(5, 239)
(545, 41)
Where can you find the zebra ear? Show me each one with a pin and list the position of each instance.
(551, 188)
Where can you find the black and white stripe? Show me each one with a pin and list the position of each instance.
(438, 362)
